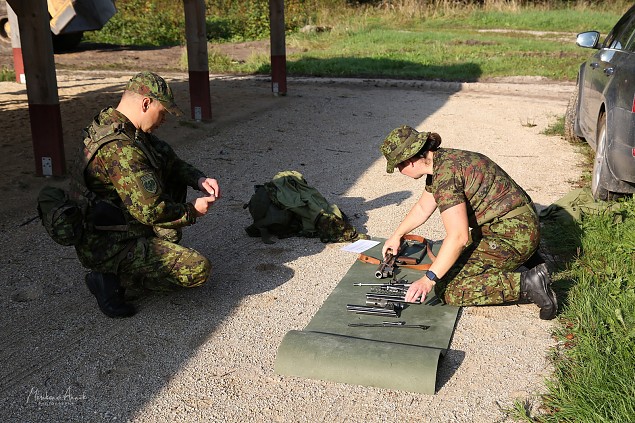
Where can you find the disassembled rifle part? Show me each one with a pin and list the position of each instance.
(390, 310)
(398, 324)
(393, 282)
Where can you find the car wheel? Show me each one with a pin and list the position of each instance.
(600, 173)
(570, 116)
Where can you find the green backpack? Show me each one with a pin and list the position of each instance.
(289, 206)
(62, 216)
(62, 212)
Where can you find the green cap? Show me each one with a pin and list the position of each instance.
(149, 84)
(401, 144)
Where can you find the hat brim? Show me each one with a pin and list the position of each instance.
(416, 145)
(172, 108)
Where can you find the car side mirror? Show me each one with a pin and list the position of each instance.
(588, 39)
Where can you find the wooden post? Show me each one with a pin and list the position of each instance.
(278, 50)
(41, 86)
(18, 63)
(198, 64)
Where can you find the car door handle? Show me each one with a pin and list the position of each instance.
(609, 71)
(594, 65)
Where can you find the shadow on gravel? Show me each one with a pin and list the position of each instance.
(65, 361)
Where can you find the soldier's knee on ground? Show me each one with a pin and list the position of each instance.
(192, 270)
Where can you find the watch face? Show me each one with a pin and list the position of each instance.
(431, 275)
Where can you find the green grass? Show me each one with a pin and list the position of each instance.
(457, 46)
(449, 54)
(7, 74)
(410, 39)
(556, 128)
(594, 362)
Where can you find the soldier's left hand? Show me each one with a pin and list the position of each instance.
(210, 186)
(420, 288)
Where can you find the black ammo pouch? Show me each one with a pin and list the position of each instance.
(108, 217)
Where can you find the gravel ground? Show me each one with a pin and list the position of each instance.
(208, 354)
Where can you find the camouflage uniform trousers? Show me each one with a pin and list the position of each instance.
(161, 265)
(485, 273)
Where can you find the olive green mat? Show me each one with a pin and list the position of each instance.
(386, 357)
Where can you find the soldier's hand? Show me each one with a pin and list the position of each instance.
(202, 204)
(391, 246)
(209, 186)
(420, 288)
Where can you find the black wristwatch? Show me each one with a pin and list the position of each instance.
(432, 276)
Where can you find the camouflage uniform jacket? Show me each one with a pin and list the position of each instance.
(461, 176)
(137, 173)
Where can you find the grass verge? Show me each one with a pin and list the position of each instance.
(594, 370)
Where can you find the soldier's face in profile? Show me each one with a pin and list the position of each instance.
(155, 116)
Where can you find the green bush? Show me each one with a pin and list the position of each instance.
(6, 74)
(144, 23)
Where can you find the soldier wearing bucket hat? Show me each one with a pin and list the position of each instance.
(491, 226)
(137, 186)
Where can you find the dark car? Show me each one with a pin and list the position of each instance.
(602, 108)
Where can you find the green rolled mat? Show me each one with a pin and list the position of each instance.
(403, 358)
(367, 362)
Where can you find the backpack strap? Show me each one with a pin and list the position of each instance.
(95, 137)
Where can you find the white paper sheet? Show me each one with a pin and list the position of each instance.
(360, 246)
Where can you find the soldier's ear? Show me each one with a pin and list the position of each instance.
(145, 104)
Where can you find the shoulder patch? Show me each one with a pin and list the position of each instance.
(149, 183)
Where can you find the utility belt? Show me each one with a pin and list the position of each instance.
(517, 212)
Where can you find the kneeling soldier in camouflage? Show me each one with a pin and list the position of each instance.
(137, 188)
(471, 191)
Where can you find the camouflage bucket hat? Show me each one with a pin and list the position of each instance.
(401, 144)
(149, 84)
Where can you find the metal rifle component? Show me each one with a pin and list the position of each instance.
(390, 289)
(389, 297)
(399, 324)
(389, 311)
(393, 282)
(384, 285)
(386, 267)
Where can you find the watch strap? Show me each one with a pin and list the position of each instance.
(432, 276)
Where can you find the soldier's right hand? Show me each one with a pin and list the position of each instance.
(391, 246)
(202, 204)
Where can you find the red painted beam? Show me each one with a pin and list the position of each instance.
(200, 98)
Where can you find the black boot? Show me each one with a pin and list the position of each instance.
(110, 296)
(535, 285)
